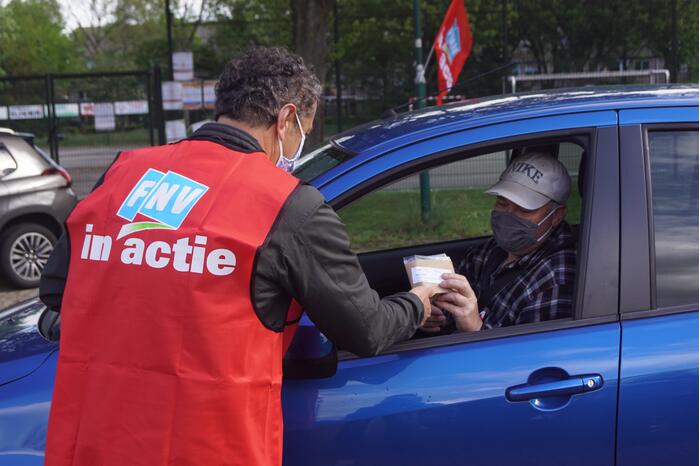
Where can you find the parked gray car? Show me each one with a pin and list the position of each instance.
(35, 199)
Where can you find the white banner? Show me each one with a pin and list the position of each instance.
(104, 117)
(26, 112)
(209, 94)
(172, 95)
(87, 109)
(3, 113)
(183, 66)
(175, 130)
(131, 107)
(66, 110)
(192, 95)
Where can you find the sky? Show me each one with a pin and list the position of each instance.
(75, 11)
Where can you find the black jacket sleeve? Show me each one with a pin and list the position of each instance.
(53, 277)
(308, 257)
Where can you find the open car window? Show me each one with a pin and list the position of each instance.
(392, 215)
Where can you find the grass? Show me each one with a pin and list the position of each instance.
(383, 220)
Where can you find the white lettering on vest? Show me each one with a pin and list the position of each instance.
(198, 254)
(159, 254)
(221, 262)
(86, 242)
(184, 198)
(100, 247)
(152, 258)
(142, 190)
(181, 249)
(162, 196)
(133, 253)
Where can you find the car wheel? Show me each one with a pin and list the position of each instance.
(24, 251)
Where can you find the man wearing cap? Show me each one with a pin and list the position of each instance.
(526, 272)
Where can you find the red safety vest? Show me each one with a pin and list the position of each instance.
(163, 359)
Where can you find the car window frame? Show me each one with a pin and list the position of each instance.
(591, 274)
(638, 261)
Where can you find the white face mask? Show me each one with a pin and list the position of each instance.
(288, 164)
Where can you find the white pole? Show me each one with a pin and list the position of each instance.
(427, 60)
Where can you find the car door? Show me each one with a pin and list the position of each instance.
(658, 408)
(442, 400)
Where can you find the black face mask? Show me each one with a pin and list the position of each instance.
(513, 233)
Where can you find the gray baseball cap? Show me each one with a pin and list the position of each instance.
(532, 180)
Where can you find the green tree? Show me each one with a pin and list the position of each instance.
(34, 41)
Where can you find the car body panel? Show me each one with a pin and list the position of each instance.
(447, 405)
(658, 408)
(24, 415)
(659, 115)
(22, 348)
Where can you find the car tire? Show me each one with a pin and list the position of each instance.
(24, 250)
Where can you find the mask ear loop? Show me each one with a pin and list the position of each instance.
(544, 220)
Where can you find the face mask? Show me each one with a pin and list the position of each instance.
(513, 233)
(288, 164)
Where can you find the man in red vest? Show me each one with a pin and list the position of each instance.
(181, 277)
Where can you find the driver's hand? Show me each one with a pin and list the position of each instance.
(435, 321)
(461, 302)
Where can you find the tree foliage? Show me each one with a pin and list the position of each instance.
(33, 42)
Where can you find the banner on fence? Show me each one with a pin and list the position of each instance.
(192, 95)
(183, 66)
(87, 109)
(131, 107)
(175, 130)
(104, 117)
(172, 95)
(26, 112)
(66, 110)
(3, 113)
(209, 94)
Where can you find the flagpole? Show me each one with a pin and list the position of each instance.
(420, 102)
(427, 60)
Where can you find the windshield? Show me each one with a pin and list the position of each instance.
(320, 161)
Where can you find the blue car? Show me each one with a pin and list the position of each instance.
(616, 384)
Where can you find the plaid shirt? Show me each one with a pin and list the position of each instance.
(543, 290)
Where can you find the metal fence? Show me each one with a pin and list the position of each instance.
(84, 120)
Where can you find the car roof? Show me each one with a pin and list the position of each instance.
(29, 137)
(409, 127)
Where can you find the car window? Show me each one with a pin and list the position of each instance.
(7, 163)
(673, 157)
(390, 217)
(319, 162)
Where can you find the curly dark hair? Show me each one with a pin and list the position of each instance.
(258, 83)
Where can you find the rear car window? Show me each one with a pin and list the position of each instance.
(7, 163)
(673, 157)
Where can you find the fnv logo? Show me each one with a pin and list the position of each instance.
(453, 44)
(165, 198)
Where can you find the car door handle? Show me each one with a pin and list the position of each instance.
(570, 386)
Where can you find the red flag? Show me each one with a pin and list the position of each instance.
(452, 46)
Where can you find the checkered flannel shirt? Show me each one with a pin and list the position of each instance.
(543, 290)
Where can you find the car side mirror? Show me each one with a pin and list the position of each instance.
(311, 355)
(50, 325)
